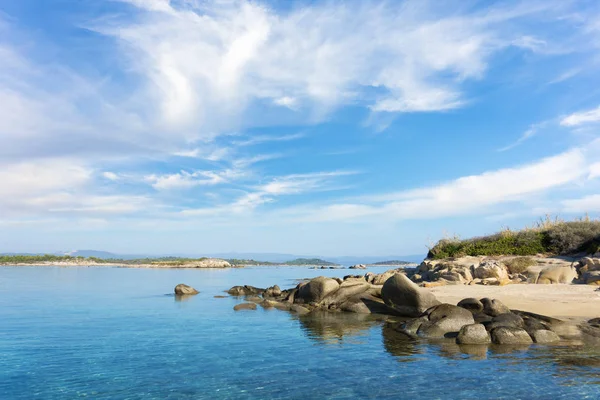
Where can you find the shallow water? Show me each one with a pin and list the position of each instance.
(118, 333)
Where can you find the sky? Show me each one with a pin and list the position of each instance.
(306, 127)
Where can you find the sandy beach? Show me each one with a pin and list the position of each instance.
(568, 302)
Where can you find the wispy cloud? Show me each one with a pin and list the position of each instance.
(257, 139)
(528, 134)
(582, 117)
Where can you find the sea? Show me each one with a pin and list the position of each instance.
(120, 333)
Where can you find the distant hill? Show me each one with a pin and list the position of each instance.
(245, 258)
(309, 261)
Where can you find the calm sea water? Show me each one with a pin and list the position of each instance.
(117, 333)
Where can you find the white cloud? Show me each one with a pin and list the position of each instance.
(287, 101)
(58, 187)
(580, 118)
(585, 204)
(257, 139)
(186, 180)
(111, 176)
(468, 195)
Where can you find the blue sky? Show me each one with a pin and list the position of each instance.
(311, 127)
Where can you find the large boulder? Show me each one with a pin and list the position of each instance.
(473, 334)
(491, 269)
(471, 304)
(508, 335)
(445, 320)
(591, 278)
(545, 336)
(379, 279)
(493, 307)
(554, 275)
(245, 290)
(507, 320)
(316, 290)
(405, 297)
(183, 290)
(273, 291)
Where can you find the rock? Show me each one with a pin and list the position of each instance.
(405, 297)
(298, 309)
(345, 291)
(491, 269)
(220, 297)
(316, 290)
(507, 320)
(493, 307)
(254, 299)
(379, 279)
(245, 290)
(244, 306)
(445, 320)
(507, 335)
(591, 278)
(473, 334)
(273, 291)
(471, 304)
(554, 275)
(182, 290)
(358, 266)
(595, 322)
(545, 336)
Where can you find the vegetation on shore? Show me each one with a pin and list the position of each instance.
(548, 236)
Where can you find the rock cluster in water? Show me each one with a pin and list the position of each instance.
(392, 293)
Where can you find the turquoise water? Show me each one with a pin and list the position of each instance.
(117, 333)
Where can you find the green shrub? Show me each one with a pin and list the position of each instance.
(572, 237)
(551, 237)
(519, 264)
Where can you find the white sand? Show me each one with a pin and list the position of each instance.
(568, 302)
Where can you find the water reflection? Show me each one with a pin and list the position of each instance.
(332, 328)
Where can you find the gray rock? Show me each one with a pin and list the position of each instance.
(445, 320)
(316, 290)
(493, 307)
(471, 304)
(244, 306)
(545, 336)
(298, 309)
(273, 291)
(507, 320)
(245, 290)
(183, 290)
(405, 297)
(473, 334)
(507, 335)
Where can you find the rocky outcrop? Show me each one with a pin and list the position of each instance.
(245, 290)
(358, 266)
(185, 290)
(443, 321)
(405, 297)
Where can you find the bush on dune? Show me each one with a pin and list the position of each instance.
(555, 237)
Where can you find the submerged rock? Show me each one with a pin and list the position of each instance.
(183, 290)
(244, 306)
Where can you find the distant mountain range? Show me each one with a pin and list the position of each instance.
(268, 257)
